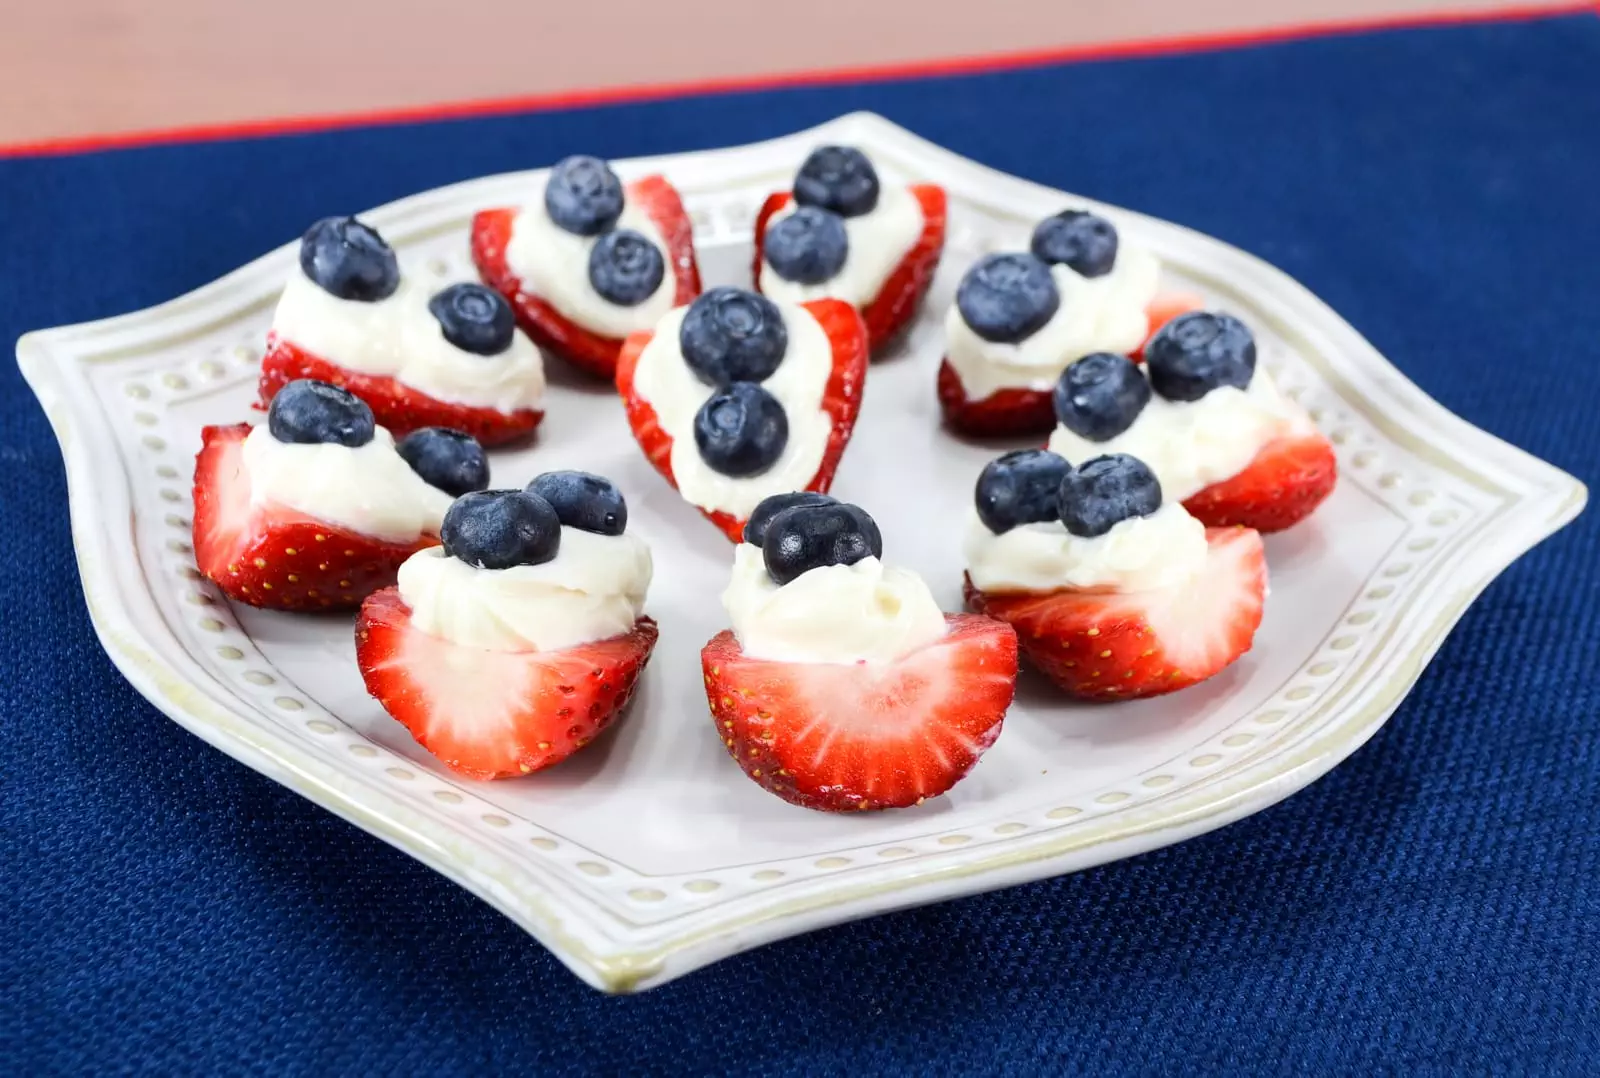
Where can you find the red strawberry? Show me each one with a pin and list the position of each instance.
(843, 737)
(549, 328)
(1280, 487)
(890, 311)
(1109, 645)
(271, 556)
(841, 398)
(395, 405)
(1163, 309)
(1002, 413)
(491, 714)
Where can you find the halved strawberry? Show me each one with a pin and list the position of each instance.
(1019, 411)
(1280, 487)
(271, 556)
(843, 737)
(841, 399)
(1004, 412)
(549, 328)
(491, 714)
(1109, 645)
(891, 309)
(1163, 309)
(395, 405)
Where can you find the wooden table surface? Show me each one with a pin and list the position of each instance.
(87, 67)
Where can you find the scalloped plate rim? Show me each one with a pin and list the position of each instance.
(559, 920)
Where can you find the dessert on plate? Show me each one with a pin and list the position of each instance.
(451, 358)
(737, 396)
(842, 686)
(1211, 425)
(841, 233)
(589, 259)
(317, 507)
(1020, 317)
(519, 639)
(1113, 592)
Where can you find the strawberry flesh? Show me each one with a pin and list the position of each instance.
(841, 399)
(554, 331)
(395, 405)
(1005, 412)
(890, 311)
(846, 737)
(269, 555)
(1280, 487)
(493, 714)
(1108, 645)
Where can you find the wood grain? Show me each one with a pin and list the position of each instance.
(98, 66)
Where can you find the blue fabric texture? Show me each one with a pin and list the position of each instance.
(1429, 907)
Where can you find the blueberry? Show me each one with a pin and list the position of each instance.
(1100, 396)
(755, 529)
(1006, 297)
(587, 502)
(626, 268)
(310, 412)
(1198, 352)
(497, 529)
(730, 335)
(810, 536)
(349, 260)
(1079, 240)
(1106, 491)
(741, 430)
(808, 246)
(1019, 488)
(583, 196)
(837, 178)
(451, 460)
(474, 318)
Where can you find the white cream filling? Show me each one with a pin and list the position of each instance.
(1192, 444)
(398, 337)
(368, 489)
(866, 612)
(664, 380)
(1097, 314)
(878, 241)
(1162, 550)
(507, 382)
(593, 589)
(553, 264)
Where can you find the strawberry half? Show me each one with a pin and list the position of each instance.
(1020, 411)
(395, 405)
(271, 556)
(1280, 487)
(491, 714)
(1004, 412)
(844, 737)
(1108, 645)
(891, 309)
(549, 328)
(841, 399)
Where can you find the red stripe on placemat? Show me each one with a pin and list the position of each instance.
(956, 65)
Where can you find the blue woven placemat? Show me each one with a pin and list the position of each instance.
(1431, 906)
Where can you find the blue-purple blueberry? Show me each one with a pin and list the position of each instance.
(1101, 493)
(501, 529)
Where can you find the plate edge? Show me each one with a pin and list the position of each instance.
(627, 970)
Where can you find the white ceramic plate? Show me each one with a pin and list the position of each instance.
(650, 854)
